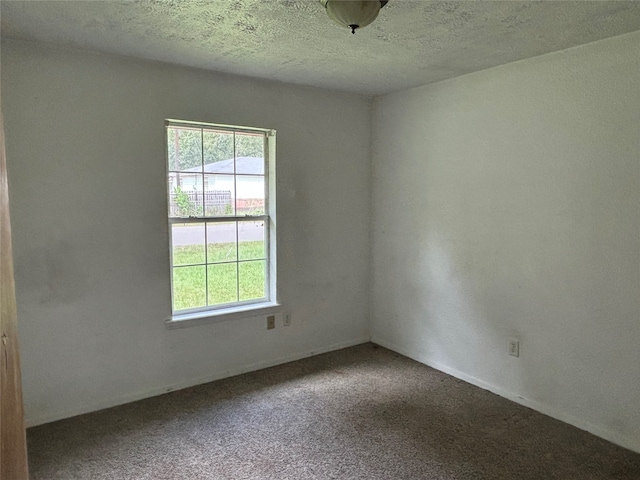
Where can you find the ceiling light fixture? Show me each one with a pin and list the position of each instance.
(353, 13)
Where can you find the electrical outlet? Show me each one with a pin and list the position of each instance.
(514, 347)
(271, 322)
(286, 320)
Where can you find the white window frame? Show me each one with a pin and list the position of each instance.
(239, 309)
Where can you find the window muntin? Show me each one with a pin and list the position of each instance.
(219, 216)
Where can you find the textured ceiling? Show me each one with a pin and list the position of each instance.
(411, 43)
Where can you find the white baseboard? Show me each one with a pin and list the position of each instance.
(121, 400)
(613, 437)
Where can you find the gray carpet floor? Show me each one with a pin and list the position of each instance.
(359, 413)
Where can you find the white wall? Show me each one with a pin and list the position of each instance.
(85, 146)
(506, 203)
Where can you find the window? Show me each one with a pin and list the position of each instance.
(221, 202)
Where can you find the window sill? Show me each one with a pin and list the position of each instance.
(222, 315)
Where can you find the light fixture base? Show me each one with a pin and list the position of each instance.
(353, 14)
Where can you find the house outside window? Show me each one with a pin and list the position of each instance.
(221, 210)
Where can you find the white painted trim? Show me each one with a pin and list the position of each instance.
(621, 440)
(222, 315)
(113, 402)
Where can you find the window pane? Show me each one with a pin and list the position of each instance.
(185, 194)
(223, 283)
(251, 280)
(184, 149)
(251, 240)
(250, 153)
(189, 287)
(216, 173)
(187, 241)
(250, 165)
(218, 147)
(250, 194)
(221, 242)
(219, 194)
